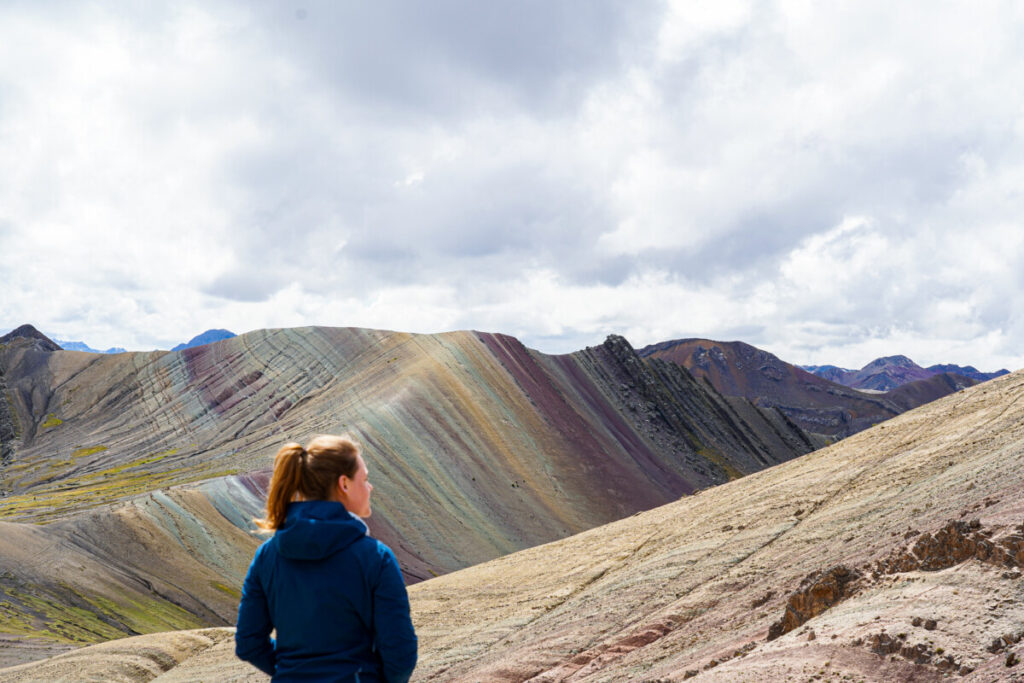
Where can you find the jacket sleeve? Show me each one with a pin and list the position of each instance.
(394, 637)
(252, 636)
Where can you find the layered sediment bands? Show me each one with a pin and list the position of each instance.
(897, 548)
(477, 447)
(692, 589)
(163, 561)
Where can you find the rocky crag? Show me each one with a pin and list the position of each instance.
(131, 480)
(893, 555)
(816, 404)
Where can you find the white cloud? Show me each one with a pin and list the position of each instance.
(824, 181)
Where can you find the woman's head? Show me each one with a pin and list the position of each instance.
(329, 468)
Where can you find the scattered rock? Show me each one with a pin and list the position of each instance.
(884, 644)
(930, 624)
(811, 635)
(1012, 659)
(743, 651)
(762, 600)
(690, 673)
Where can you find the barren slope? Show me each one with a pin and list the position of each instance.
(893, 555)
(146, 469)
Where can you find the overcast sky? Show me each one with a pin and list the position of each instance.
(829, 181)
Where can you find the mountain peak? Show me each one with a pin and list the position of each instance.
(207, 337)
(30, 332)
(891, 361)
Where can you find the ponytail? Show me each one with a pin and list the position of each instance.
(284, 484)
(311, 472)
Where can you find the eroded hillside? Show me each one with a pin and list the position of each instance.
(816, 404)
(130, 487)
(893, 555)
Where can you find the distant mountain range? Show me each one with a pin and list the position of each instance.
(207, 337)
(883, 374)
(82, 346)
(816, 403)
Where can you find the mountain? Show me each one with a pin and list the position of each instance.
(968, 371)
(815, 404)
(37, 339)
(82, 346)
(207, 337)
(884, 374)
(129, 481)
(892, 555)
(830, 372)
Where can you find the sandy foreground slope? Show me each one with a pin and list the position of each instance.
(893, 555)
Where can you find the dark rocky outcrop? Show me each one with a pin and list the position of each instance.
(817, 592)
(8, 425)
(954, 543)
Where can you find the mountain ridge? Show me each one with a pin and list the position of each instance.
(82, 346)
(152, 465)
(889, 372)
(816, 404)
(894, 554)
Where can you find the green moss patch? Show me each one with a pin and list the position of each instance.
(227, 590)
(51, 421)
(714, 456)
(146, 616)
(68, 616)
(91, 450)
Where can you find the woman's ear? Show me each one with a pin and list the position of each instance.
(343, 483)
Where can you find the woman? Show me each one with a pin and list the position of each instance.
(334, 594)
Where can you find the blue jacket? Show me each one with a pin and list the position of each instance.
(336, 598)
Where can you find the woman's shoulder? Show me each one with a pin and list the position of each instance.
(372, 546)
(374, 555)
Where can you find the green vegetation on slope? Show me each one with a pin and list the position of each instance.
(51, 421)
(69, 616)
(75, 494)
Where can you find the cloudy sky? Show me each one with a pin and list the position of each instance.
(828, 181)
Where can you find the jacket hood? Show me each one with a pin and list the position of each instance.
(316, 529)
